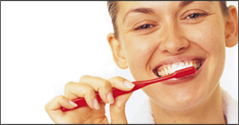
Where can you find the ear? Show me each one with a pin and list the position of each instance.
(231, 27)
(117, 51)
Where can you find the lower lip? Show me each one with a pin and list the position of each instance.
(185, 79)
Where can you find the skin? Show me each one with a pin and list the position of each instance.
(171, 34)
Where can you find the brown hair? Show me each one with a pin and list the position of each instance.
(113, 10)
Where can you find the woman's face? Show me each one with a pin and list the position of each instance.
(157, 37)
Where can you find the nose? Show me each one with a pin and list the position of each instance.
(173, 40)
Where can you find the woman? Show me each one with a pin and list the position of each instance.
(152, 39)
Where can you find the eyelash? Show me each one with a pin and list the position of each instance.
(146, 26)
(143, 27)
(198, 15)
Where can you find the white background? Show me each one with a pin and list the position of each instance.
(44, 45)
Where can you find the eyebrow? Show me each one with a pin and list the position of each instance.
(140, 10)
(184, 3)
(151, 11)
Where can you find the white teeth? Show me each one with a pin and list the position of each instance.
(181, 64)
(170, 68)
(174, 66)
(165, 71)
(187, 63)
(195, 65)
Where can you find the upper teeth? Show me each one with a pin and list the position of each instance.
(171, 68)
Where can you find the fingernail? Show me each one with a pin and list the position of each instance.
(129, 84)
(96, 104)
(72, 103)
(110, 98)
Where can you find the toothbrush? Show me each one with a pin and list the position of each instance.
(138, 85)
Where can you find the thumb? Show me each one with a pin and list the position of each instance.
(117, 109)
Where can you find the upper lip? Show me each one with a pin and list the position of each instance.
(174, 59)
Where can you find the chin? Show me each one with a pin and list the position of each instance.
(176, 99)
(179, 104)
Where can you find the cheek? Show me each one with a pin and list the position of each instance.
(208, 36)
(139, 50)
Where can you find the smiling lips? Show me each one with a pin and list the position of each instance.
(164, 70)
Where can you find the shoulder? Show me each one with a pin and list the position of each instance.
(230, 107)
(144, 115)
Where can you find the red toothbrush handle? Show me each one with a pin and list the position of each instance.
(116, 92)
(80, 101)
(138, 84)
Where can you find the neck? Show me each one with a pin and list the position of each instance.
(209, 111)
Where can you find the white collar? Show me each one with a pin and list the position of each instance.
(230, 107)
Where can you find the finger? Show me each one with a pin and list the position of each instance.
(121, 83)
(102, 86)
(75, 90)
(58, 102)
(117, 110)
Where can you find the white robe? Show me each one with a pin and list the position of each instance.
(230, 108)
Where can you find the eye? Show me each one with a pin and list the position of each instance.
(145, 26)
(195, 15)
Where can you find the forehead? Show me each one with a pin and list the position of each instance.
(125, 7)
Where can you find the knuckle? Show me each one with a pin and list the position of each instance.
(84, 77)
(86, 88)
(60, 97)
(68, 84)
(90, 90)
(118, 78)
(103, 82)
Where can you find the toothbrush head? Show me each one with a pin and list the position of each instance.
(184, 72)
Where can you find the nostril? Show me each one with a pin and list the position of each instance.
(181, 48)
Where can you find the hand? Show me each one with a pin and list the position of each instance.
(94, 113)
